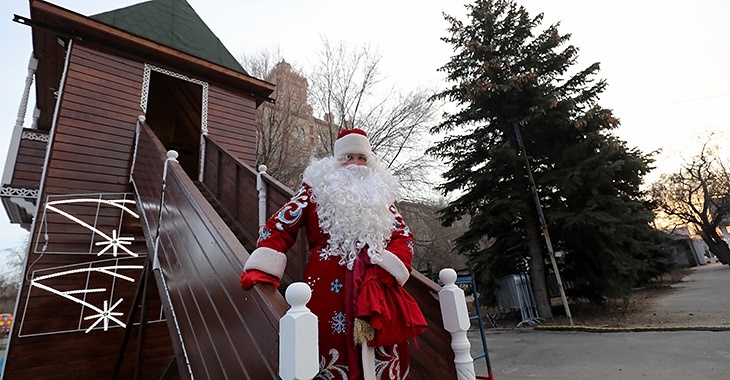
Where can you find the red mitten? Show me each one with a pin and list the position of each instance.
(253, 277)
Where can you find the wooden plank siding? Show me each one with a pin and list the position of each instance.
(232, 121)
(233, 183)
(90, 153)
(29, 162)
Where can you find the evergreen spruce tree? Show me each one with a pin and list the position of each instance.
(507, 77)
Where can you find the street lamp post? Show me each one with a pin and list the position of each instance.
(543, 224)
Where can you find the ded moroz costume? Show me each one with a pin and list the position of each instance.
(360, 253)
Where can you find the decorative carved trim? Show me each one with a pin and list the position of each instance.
(34, 136)
(8, 191)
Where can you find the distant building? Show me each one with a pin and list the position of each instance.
(288, 132)
(688, 249)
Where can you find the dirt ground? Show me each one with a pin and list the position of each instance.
(636, 311)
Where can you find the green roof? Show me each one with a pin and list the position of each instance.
(172, 23)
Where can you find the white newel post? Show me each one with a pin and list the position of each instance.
(298, 340)
(261, 187)
(456, 321)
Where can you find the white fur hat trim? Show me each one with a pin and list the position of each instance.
(352, 143)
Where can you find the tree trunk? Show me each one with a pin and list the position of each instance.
(537, 263)
(716, 244)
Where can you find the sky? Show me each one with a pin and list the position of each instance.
(667, 67)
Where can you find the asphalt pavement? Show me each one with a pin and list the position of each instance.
(703, 297)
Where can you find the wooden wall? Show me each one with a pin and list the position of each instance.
(232, 122)
(29, 162)
(90, 153)
(233, 183)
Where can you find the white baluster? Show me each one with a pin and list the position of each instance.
(261, 187)
(298, 340)
(456, 321)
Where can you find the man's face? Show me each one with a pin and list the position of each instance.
(355, 159)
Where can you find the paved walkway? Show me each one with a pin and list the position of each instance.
(701, 299)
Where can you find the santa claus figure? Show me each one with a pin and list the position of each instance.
(360, 254)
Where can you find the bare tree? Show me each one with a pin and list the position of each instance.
(260, 64)
(10, 277)
(341, 79)
(284, 142)
(433, 242)
(346, 91)
(698, 195)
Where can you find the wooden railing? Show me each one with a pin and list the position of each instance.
(218, 331)
(233, 183)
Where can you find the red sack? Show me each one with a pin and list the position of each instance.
(392, 311)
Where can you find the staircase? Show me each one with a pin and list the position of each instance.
(199, 236)
(245, 238)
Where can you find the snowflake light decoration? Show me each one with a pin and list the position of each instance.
(104, 314)
(115, 243)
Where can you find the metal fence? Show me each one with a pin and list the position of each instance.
(515, 292)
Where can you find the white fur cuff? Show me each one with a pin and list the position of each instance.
(394, 266)
(266, 260)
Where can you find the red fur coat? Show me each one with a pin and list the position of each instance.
(339, 295)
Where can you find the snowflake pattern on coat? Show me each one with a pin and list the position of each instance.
(330, 283)
(338, 323)
(335, 285)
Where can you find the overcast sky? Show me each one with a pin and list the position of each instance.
(667, 66)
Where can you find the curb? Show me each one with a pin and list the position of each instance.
(598, 329)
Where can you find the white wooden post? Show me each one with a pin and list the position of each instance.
(18, 129)
(298, 339)
(261, 187)
(138, 129)
(171, 156)
(456, 321)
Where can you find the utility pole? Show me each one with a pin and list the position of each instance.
(543, 224)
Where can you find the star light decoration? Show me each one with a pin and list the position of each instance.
(114, 242)
(104, 314)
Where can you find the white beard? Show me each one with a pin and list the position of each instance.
(353, 206)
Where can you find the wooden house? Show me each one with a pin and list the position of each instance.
(133, 265)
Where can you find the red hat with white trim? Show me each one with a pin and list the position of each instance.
(352, 141)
